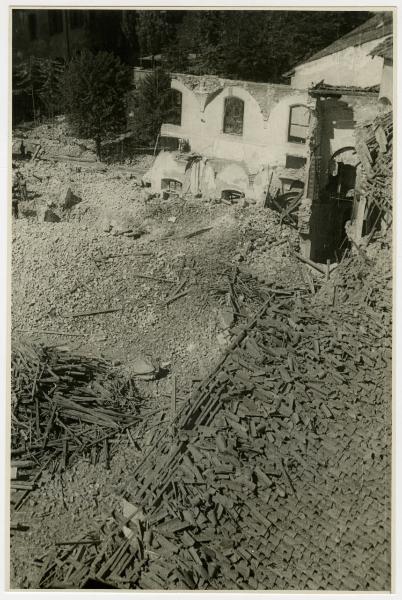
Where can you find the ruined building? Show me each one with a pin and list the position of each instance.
(298, 141)
(243, 133)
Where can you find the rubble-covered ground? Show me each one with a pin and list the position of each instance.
(102, 268)
(118, 248)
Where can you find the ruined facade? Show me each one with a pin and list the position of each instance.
(334, 167)
(249, 137)
(267, 141)
(350, 83)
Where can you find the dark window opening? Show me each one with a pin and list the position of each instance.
(233, 116)
(168, 143)
(55, 21)
(231, 195)
(174, 113)
(76, 19)
(290, 185)
(298, 124)
(171, 186)
(33, 27)
(294, 162)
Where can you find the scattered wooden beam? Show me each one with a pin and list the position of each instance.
(174, 298)
(311, 263)
(95, 312)
(196, 232)
(173, 397)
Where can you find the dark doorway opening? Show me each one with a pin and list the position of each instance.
(334, 209)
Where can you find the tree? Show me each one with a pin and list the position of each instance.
(153, 105)
(260, 45)
(26, 85)
(129, 30)
(37, 79)
(152, 30)
(50, 73)
(104, 33)
(94, 87)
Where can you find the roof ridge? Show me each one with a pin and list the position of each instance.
(377, 26)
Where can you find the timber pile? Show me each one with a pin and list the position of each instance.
(276, 474)
(375, 149)
(287, 204)
(62, 407)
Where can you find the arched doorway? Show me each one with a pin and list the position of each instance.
(342, 172)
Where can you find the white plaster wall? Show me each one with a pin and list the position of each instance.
(164, 166)
(343, 133)
(277, 145)
(263, 142)
(208, 138)
(343, 138)
(190, 113)
(351, 66)
(386, 88)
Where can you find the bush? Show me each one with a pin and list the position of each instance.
(94, 87)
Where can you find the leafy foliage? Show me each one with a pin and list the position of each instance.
(156, 29)
(39, 79)
(153, 105)
(251, 45)
(50, 73)
(260, 45)
(94, 88)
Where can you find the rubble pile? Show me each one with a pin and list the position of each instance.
(272, 475)
(65, 269)
(274, 471)
(53, 140)
(375, 148)
(63, 407)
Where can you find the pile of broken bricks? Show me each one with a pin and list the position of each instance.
(276, 474)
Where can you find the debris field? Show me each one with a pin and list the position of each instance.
(193, 407)
(274, 440)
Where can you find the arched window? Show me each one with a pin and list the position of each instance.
(298, 123)
(174, 113)
(233, 115)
